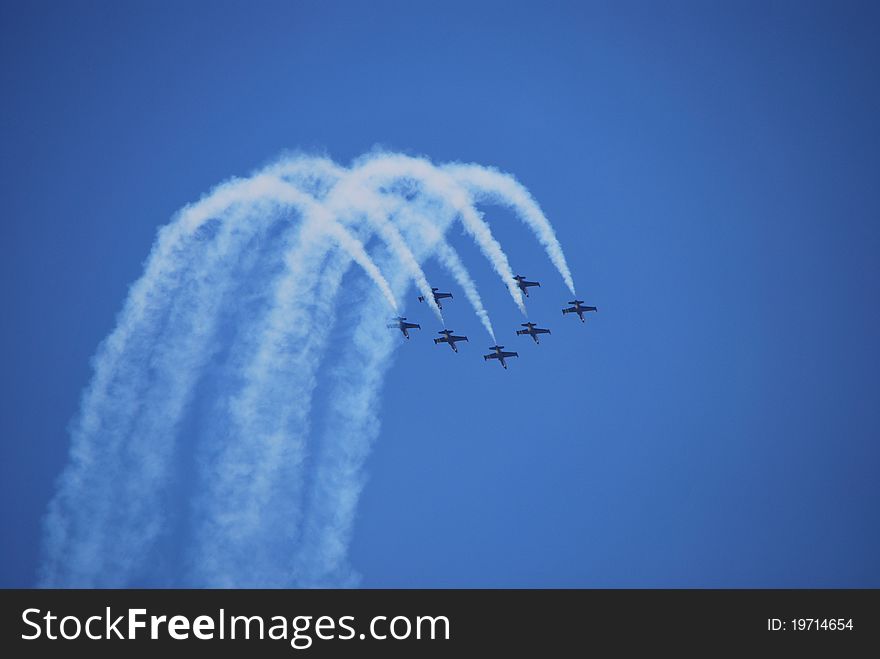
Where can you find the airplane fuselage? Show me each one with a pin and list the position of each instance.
(533, 332)
(437, 297)
(579, 309)
(524, 286)
(451, 339)
(404, 327)
(500, 355)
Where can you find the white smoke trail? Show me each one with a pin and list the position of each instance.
(246, 474)
(261, 439)
(242, 498)
(106, 411)
(352, 420)
(351, 426)
(357, 252)
(351, 196)
(237, 503)
(504, 188)
(267, 188)
(358, 196)
(255, 503)
(386, 167)
(435, 243)
(150, 388)
(76, 549)
(449, 258)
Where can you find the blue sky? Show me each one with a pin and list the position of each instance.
(710, 168)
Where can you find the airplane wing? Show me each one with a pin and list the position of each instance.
(492, 356)
(458, 338)
(509, 354)
(569, 310)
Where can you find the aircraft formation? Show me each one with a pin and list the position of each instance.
(497, 351)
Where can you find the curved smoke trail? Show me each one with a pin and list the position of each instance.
(224, 339)
(489, 183)
(384, 168)
(448, 257)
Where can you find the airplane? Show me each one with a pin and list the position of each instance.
(524, 285)
(532, 331)
(437, 297)
(578, 309)
(401, 324)
(450, 338)
(499, 354)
